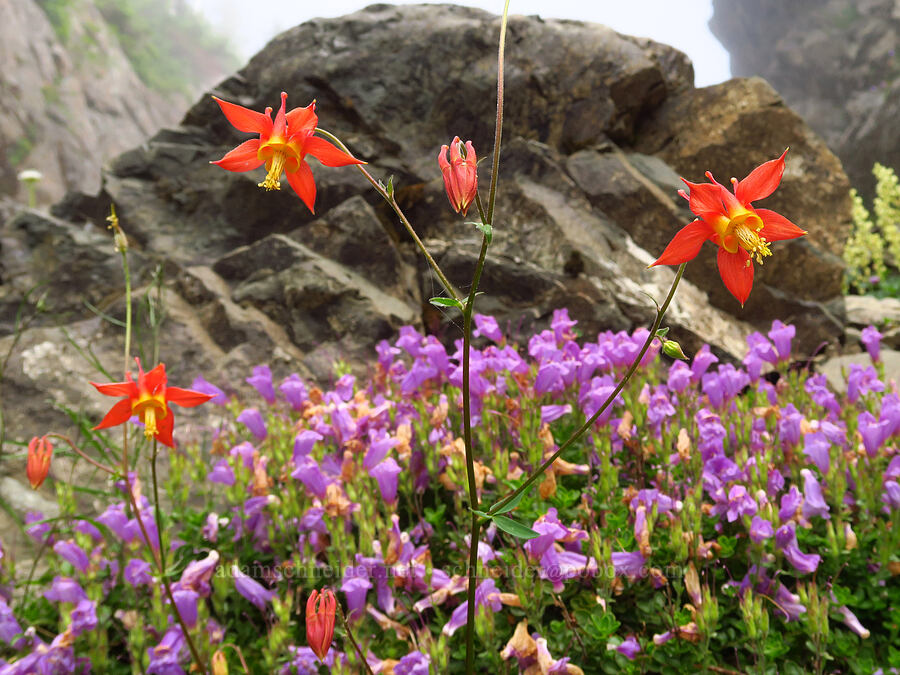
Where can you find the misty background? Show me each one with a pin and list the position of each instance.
(683, 25)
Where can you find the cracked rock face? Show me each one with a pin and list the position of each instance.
(599, 127)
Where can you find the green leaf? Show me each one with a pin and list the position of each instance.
(510, 505)
(662, 332)
(514, 527)
(446, 302)
(390, 186)
(486, 230)
(481, 513)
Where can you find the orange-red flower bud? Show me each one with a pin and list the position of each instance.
(460, 174)
(320, 609)
(39, 454)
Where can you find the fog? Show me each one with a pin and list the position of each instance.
(682, 24)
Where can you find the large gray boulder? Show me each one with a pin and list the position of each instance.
(599, 126)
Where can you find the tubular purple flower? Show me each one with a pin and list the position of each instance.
(186, 602)
(786, 539)
(816, 448)
(355, 587)
(679, 376)
(344, 387)
(551, 413)
(221, 473)
(137, 573)
(487, 326)
(294, 391)
(891, 494)
(204, 387)
(628, 564)
(310, 474)
(790, 502)
(253, 420)
(813, 502)
(871, 340)
(386, 473)
(261, 380)
(64, 589)
(72, 553)
(629, 648)
(782, 335)
(10, 631)
(84, 617)
(166, 657)
(760, 529)
(861, 381)
(252, 591)
(874, 432)
(197, 574)
(702, 361)
(414, 663)
(849, 618)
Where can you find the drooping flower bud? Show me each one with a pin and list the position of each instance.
(38, 466)
(320, 609)
(219, 663)
(460, 174)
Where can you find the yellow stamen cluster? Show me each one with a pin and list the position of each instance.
(754, 244)
(150, 428)
(275, 167)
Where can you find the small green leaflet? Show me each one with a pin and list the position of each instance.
(662, 332)
(510, 505)
(514, 527)
(484, 228)
(446, 302)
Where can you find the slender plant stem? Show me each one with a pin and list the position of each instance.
(470, 459)
(495, 167)
(162, 563)
(346, 625)
(82, 454)
(389, 198)
(587, 425)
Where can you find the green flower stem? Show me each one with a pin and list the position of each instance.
(389, 198)
(78, 451)
(346, 625)
(495, 168)
(161, 559)
(470, 460)
(587, 425)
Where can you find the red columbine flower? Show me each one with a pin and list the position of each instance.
(741, 232)
(281, 146)
(320, 622)
(38, 466)
(149, 399)
(460, 174)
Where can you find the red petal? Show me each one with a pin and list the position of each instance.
(761, 182)
(776, 227)
(328, 154)
(736, 273)
(280, 127)
(686, 243)
(156, 378)
(118, 414)
(165, 427)
(243, 158)
(245, 119)
(117, 389)
(705, 197)
(302, 119)
(187, 398)
(304, 185)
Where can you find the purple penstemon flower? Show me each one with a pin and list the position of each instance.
(166, 657)
(253, 420)
(862, 381)
(871, 340)
(486, 595)
(629, 648)
(10, 629)
(137, 573)
(874, 432)
(760, 529)
(72, 553)
(221, 473)
(782, 335)
(64, 589)
(218, 396)
(487, 326)
(786, 539)
(629, 564)
(294, 391)
(385, 473)
(84, 617)
(816, 448)
(261, 380)
(813, 502)
(703, 359)
(309, 473)
(252, 590)
(186, 603)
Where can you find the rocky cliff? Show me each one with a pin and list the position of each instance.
(599, 126)
(834, 61)
(70, 98)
